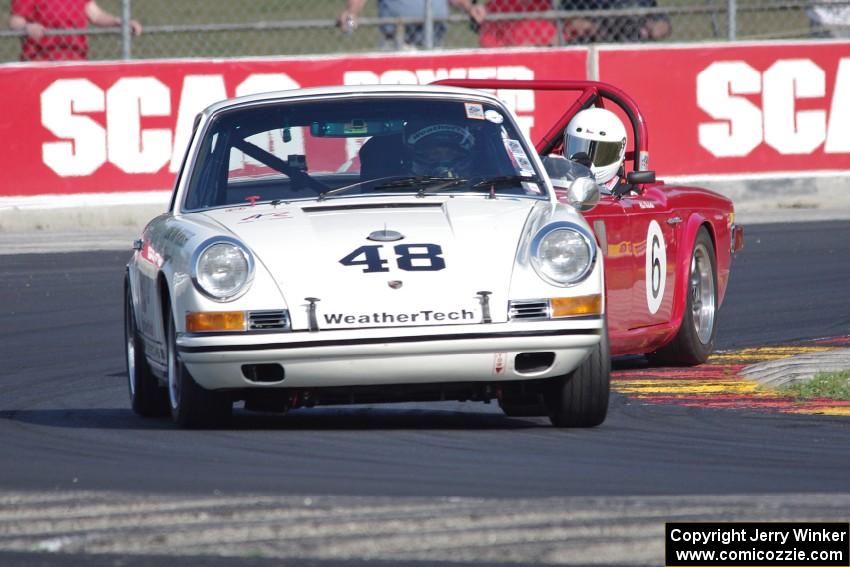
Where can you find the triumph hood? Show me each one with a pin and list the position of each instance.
(388, 263)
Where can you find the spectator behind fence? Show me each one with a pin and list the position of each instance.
(615, 28)
(414, 34)
(526, 31)
(829, 21)
(36, 16)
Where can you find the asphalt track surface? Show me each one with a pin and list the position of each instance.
(81, 474)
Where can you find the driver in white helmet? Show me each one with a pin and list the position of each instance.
(597, 138)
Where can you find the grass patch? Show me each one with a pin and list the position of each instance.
(832, 385)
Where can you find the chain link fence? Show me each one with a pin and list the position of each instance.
(222, 28)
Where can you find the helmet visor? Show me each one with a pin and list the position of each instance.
(600, 153)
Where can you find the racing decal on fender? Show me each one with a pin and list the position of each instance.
(151, 255)
(656, 266)
(266, 216)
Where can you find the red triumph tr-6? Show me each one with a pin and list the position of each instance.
(667, 249)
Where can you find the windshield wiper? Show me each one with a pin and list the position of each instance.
(325, 194)
(428, 185)
(420, 182)
(503, 180)
(424, 183)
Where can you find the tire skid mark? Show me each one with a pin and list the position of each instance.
(148, 514)
(403, 531)
(565, 530)
(718, 384)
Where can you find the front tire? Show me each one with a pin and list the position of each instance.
(695, 340)
(191, 405)
(580, 398)
(147, 397)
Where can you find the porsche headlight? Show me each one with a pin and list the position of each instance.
(223, 269)
(563, 253)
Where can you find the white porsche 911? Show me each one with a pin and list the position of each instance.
(361, 245)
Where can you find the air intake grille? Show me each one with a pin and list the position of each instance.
(529, 309)
(268, 320)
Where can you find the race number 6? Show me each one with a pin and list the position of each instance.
(656, 267)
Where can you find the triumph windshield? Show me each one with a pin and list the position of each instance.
(371, 146)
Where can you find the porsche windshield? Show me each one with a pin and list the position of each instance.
(374, 146)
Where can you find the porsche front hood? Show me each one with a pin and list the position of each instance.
(344, 253)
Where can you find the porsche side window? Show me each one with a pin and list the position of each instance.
(409, 257)
(279, 143)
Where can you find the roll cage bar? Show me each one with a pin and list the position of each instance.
(593, 93)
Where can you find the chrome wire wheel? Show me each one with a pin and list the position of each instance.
(702, 293)
(174, 385)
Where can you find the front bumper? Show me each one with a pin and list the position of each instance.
(451, 353)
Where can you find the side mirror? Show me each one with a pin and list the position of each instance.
(562, 170)
(583, 194)
(640, 177)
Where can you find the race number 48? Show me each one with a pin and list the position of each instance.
(409, 257)
(656, 267)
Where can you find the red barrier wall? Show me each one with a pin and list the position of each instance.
(99, 127)
(733, 109)
(711, 109)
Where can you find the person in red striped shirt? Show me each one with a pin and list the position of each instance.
(36, 16)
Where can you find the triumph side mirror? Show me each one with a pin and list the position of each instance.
(640, 177)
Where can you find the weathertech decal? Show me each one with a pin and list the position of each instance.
(418, 317)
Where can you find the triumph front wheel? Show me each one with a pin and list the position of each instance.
(191, 405)
(580, 398)
(147, 397)
(695, 340)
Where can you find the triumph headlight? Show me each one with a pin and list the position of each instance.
(563, 253)
(223, 269)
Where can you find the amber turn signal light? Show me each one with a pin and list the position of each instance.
(574, 306)
(204, 322)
